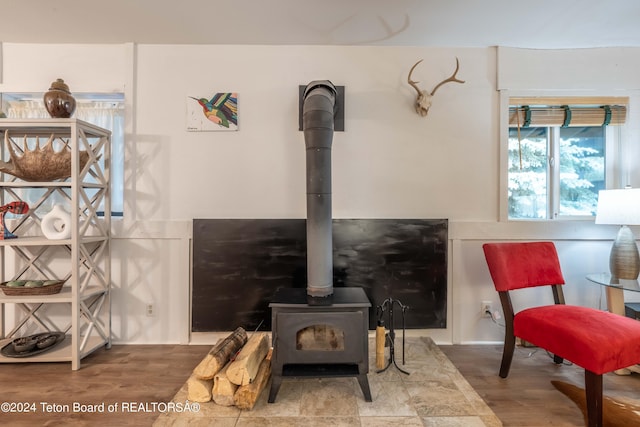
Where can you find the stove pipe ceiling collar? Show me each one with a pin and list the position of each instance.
(318, 124)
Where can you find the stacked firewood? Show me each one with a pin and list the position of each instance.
(234, 372)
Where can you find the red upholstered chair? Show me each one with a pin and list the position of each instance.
(595, 340)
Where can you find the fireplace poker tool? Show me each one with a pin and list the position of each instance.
(390, 337)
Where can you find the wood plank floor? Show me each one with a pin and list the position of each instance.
(122, 374)
(153, 374)
(526, 397)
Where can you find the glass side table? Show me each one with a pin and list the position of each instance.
(615, 288)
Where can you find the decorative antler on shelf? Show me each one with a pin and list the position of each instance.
(423, 100)
(42, 163)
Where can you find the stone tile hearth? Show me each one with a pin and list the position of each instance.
(435, 394)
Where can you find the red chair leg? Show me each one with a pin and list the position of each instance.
(593, 390)
(507, 355)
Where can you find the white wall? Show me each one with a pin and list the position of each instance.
(389, 163)
(264, 161)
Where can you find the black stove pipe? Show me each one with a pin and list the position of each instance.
(317, 123)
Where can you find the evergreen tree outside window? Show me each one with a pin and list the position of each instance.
(528, 159)
(582, 170)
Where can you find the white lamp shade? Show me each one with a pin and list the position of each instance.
(620, 207)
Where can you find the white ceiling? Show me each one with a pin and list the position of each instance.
(443, 23)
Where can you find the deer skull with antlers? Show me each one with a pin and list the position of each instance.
(423, 100)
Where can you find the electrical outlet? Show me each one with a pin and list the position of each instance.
(486, 309)
(150, 311)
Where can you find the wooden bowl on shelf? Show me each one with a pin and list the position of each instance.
(46, 289)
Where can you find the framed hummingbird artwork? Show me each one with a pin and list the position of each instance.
(217, 112)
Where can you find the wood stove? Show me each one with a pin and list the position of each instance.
(320, 331)
(320, 337)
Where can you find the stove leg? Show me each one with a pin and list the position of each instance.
(276, 381)
(364, 385)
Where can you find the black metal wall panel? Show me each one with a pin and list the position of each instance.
(238, 264)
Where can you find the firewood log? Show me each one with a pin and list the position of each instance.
(199, 390)
(244, 368)
(220, 354)
(247, 395)
(223, 389)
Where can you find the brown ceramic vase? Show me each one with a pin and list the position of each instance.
(58, 100)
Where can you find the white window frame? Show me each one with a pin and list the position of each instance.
(615, 168)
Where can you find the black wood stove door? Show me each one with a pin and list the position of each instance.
(351, 342)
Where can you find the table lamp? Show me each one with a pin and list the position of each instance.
(621, 207)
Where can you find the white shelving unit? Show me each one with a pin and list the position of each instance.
(82, 309)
